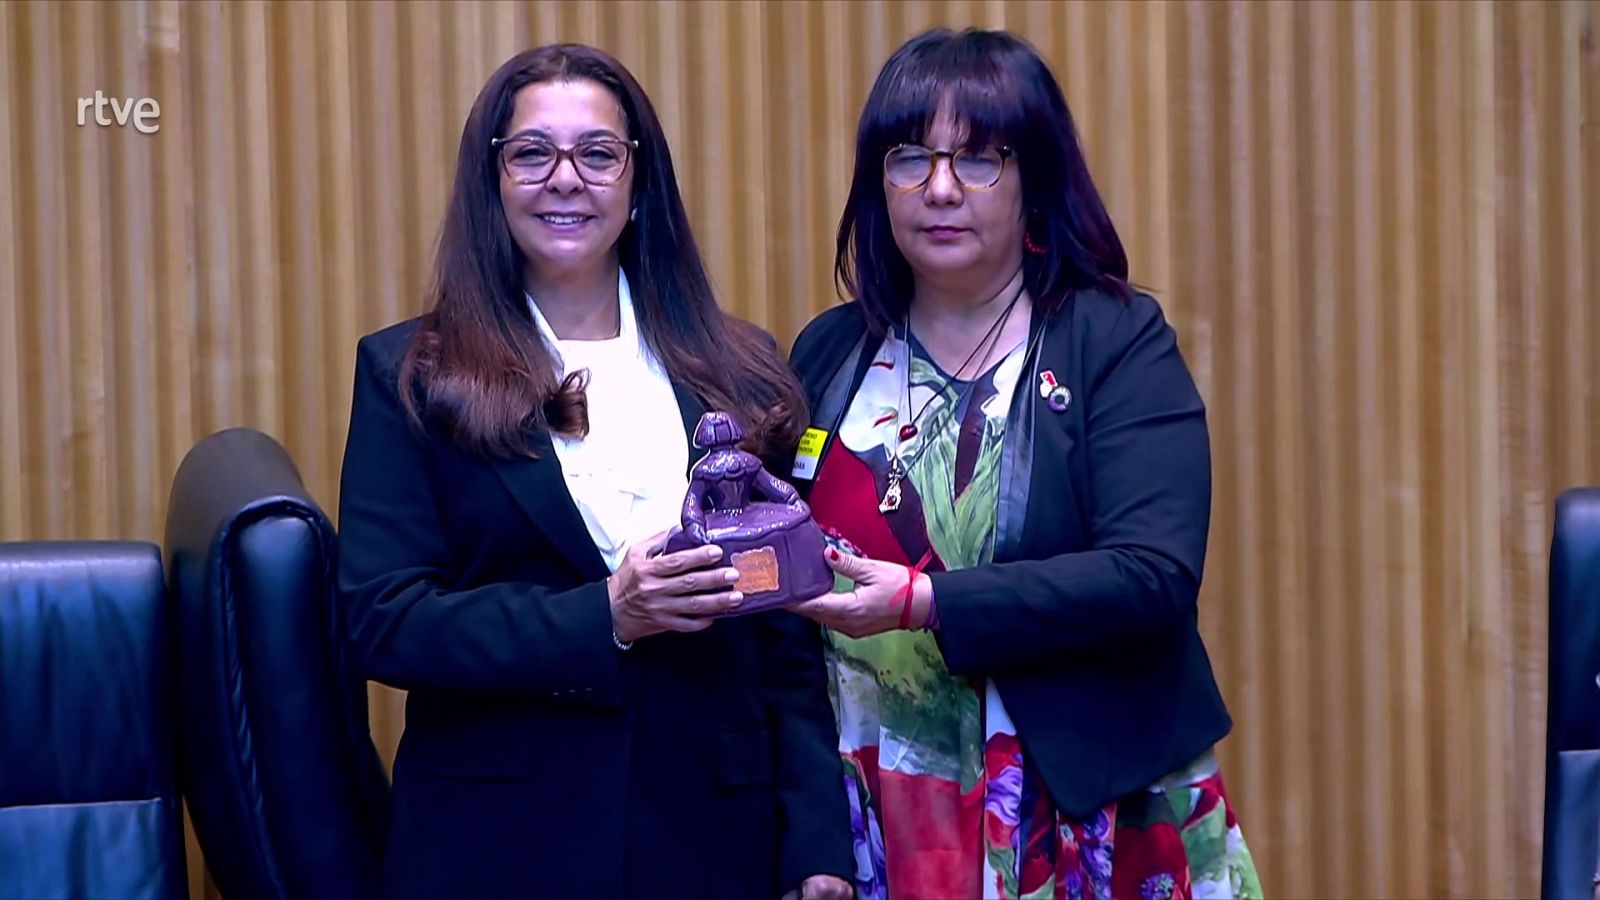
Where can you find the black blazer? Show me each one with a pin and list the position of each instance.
(1086, 621)
(537, 758)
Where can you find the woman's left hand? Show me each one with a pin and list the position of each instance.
(876, 603)
(822, 887)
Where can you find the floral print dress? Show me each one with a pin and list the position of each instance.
(942, 802)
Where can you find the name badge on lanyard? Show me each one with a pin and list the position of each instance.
(809, 454)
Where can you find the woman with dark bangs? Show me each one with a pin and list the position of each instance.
(1013, 458)
(576, 726)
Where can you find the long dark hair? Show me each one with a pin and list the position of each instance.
(999, 89)
(479, 366)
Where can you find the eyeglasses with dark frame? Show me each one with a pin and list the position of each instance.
(533, 160)
(910, 166)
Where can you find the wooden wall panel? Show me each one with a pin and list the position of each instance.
(1375, 225)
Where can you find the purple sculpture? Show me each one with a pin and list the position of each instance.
(773, 543)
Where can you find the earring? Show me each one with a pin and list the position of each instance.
(633, 214)
(1027, 238)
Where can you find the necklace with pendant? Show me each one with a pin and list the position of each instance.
(905, 433)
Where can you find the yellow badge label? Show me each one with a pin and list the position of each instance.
(809, 453)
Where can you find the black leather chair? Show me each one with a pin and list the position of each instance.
(287, 793)
(88, 801)
(1572, 742)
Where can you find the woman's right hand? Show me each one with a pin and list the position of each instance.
(671, 592)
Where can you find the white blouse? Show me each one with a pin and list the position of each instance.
(628, 476)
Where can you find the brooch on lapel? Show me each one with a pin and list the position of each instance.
(1056, 395)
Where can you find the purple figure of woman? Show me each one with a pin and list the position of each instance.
(773, 542)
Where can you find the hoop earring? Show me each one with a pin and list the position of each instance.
(1030, 246)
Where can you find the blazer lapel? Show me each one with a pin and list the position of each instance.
(1039, 459)
(691, 409)
(541, 491)
(1016, 452)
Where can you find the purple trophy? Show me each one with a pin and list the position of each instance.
(773, 543)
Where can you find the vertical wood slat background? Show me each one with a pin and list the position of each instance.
(1375, 226)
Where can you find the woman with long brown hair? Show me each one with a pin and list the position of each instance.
(579, 723)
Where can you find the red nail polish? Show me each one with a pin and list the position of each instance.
(833, 554)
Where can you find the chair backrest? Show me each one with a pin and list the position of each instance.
(88, 801)
(286, 790)
(1572, 740)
